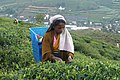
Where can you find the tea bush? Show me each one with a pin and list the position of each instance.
(96, 57)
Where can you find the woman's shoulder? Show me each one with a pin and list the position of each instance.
(48, 34)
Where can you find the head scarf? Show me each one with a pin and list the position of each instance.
(56, 17)
(66, 42)
(53, 21)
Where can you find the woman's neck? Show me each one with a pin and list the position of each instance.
(55, 34)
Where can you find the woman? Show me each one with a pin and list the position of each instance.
(57, 44)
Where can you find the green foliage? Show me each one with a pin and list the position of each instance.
(81, 68)
(96, 57)
(76, 4)
(98, 45)
(93, 10)
(40, 18)
(15, 45)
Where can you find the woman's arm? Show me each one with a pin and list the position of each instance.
(71, 54)
(70, 57)
(46, 48)
(51, 57)
(47, 56)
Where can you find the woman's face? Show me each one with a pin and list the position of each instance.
(59, 28)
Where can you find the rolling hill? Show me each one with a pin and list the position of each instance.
(93, 10)
(69, 4)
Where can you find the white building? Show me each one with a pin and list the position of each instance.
(46, 17)
(61, 8)
(79, 28)
(118, 31)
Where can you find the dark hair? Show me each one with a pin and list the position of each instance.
(54, 24)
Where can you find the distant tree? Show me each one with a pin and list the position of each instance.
(63, 4)
(39, 18)
(78, 7)
(9, 11)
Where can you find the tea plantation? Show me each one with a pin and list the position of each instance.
(96, 56)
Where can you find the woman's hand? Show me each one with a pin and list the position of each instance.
(70, 59)
(57, 59)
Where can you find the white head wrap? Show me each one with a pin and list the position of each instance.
(56, 17)
(66, 42)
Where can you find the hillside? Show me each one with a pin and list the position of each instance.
(15, 44)
(96, 56)
(69, 4)
(79, 4)
(84, 10)
(97, 44)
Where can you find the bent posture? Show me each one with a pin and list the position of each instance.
(57, 43)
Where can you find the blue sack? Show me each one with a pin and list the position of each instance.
(36, 45)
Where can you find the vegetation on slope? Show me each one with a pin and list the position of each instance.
(15, 46)
(97, 44)
(95, 57)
